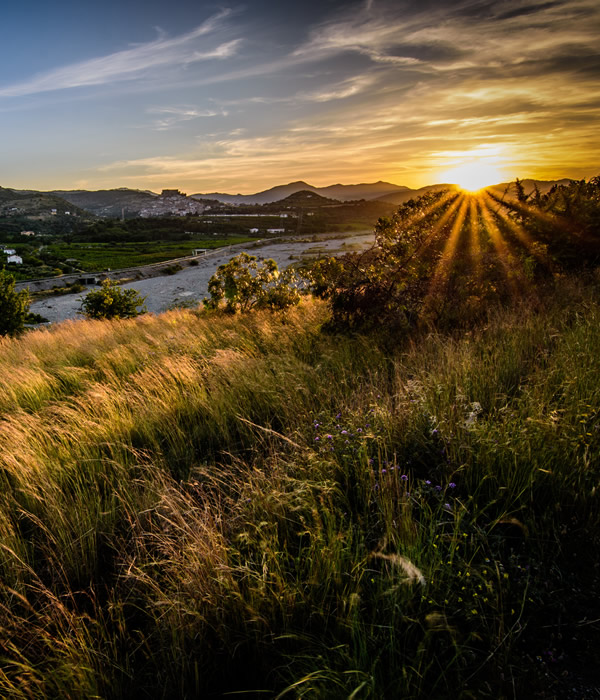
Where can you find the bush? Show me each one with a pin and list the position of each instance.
(244, 284)
(446, 257)
(14, 305)
(110, 301)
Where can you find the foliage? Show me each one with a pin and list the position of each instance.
(110, 301)
(244, 284)
(14, 306)
(444, 258)
(386, 284)
(566, 220)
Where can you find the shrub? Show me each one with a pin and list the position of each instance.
(110, 301)
(444, 258)
(244, 284)
(14, 305)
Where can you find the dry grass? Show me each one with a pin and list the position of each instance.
(185, 495)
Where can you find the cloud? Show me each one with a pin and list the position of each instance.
(170, 117)
(130, 63)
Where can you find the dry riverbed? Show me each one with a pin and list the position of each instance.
(190, 285)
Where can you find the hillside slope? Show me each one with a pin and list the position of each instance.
(183, 495)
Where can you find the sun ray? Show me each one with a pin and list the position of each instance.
(512, 267)
(474, 241)
(440, 275)
(535, 249)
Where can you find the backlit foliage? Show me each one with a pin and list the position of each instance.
(243, 284)
(444, 257)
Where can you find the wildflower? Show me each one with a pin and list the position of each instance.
(339, 415)
(447, 506)
(384, 471)
(451, 485)
(404, 477)
(344, 432)
(317, 438)
(329, 437)
(428, 482)
(438, 488)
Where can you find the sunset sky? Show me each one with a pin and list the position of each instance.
(238, 97)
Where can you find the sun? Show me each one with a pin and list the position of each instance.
(474, 175)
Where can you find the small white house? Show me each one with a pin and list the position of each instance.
(253, 230)
(275, 230)
(10, 251)
(15, 259)
(28, 233)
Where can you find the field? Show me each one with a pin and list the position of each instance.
(98, 256)
(197, 505)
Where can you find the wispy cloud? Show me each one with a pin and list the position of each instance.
(131, 63)
(169, 117)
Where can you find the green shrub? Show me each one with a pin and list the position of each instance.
(13, 305)
(244, 284)
(110, 301)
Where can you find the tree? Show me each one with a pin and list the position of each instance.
(386, 285)
(110, 301)
(244, 284)
(14, 306)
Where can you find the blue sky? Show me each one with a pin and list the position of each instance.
(239, 97)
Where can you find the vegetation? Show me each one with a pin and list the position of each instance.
(243, 284)
(110, 301)
(14, 306)
(195, 504)
(444, 258)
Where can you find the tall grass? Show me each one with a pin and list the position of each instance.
(194, 505)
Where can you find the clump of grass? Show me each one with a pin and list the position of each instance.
(186, 494)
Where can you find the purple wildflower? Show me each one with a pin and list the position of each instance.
(404, 477)
(451, 485)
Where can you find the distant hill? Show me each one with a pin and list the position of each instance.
(506, 189)
(305, 199)
(108, 203)
(344, 193)
(36, 204)
(401, 197)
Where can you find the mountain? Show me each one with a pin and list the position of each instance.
(110, 203)
(344, 193)
(40, 205)
(304, 199)
(407, 193)
(506, 189)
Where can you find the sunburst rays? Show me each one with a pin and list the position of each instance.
(479, 246)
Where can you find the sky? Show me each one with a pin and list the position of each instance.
(241, 96)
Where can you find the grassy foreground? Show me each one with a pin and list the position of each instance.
(193, 506)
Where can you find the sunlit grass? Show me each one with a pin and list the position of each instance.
(183, 495)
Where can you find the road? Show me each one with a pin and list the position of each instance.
(190, 284)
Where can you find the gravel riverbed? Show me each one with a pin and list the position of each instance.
(190, 284)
